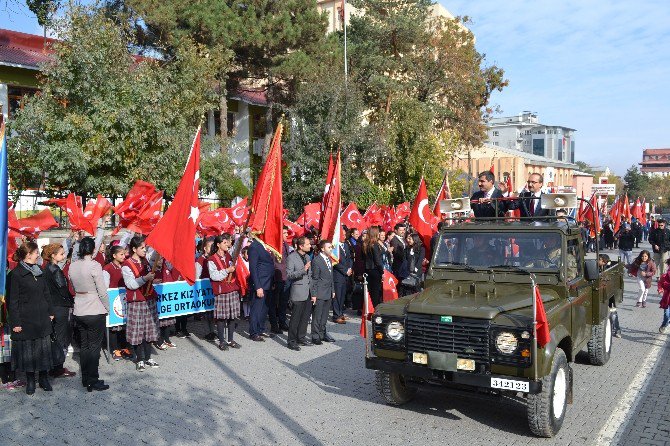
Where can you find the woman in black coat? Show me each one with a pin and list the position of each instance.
(30, 316)
(374, 265)
(414, 254)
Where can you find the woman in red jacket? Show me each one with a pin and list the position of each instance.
(664, 288)
(226, 289)
(644, 269)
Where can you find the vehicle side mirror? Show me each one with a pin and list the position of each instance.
(591, 269)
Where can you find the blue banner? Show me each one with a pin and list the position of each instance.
(174, 299)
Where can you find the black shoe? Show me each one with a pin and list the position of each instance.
(268, 335)
(181, 335)
(98, 385)
(328, 339)
(223, 346)
(210, 337)
(45, 384)
(304, 343)
(30, 386)
(258, 338)
(316, 342)
(293, 347)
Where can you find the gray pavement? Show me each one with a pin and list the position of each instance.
(265, 394)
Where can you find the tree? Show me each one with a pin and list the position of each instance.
(585, 167)
(636, 182)
(105, 117)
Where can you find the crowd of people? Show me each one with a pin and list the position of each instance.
(56, 302)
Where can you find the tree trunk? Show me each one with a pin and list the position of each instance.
(223, 114)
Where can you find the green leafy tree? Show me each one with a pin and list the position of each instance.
(636, 182)
(105, 117)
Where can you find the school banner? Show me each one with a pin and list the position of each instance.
(174, 299)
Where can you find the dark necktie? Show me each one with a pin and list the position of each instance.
(532, 205)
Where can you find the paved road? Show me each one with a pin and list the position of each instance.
(265, 394)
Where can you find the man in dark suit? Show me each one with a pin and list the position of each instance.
(323, 291)
(342, 271)
(485, 208)
(529, 201)
(261, 275)
(398, 244)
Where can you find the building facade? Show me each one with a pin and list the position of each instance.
(525, 133)
(519, 165)
(655, 162)
(22, 54)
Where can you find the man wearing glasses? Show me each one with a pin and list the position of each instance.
(659, 239)
(529, 200)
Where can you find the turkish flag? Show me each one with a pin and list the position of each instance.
(215, 222)
(615, 214)
(136, 198)
(294, 230)
(330, 216)
(351, 217)
(267, 203)
(389, 287)
(402, 210)
(326, 190)
(625, 209)
(311, 217)
(389, 215)
(174, 235)
(421, 218)
(367, 315)
(30, 226)
(543, 335)
(148, 216)
(643, 211)
(76, 214)
(373, 215)
(95, 209)
(443, 194)
(242, 275)
(239, 213)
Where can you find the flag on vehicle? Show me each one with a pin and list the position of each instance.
(368, 311)
(542, 327)
(421, 218)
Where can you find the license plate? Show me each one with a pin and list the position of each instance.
(465, 364)
(510, 384)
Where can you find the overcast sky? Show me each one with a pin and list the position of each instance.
(601, 67)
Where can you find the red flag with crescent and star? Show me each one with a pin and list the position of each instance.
(389, 287)
(443, 194)
(421, 217)
(311, 217)
(351, 217)
(173, 237)
(239, 213)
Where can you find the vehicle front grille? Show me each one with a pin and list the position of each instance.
(469, 338)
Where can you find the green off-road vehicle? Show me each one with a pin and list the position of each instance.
(472, 326)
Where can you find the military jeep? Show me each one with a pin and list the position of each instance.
(472, 327)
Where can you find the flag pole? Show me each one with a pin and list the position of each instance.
(365, 315)
(533, 288)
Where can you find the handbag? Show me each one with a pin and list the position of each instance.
(57, 351)
(411, 281)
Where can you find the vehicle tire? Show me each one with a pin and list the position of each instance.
(600, 344)
(546, 410)
(393, 388)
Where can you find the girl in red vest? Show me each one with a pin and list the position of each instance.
(142, 317)
(202, 272)
(113, 278)
(167, 274)
(226, 289)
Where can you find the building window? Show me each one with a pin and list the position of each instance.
(495, 143)
(538, 147)
(528, 132)
(496, 133)
(15, 96)
(526, 143)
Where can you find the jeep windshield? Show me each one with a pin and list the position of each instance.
(499, 249)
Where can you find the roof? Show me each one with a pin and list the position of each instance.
(665, 168)
(23, 50)
(254, 96)
(656, 152)
(579, 173)
(532, 158)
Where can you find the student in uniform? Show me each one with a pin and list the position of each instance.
(113, 278)
(167, 274)
(141, 324)
(202, 272)
(226, 290)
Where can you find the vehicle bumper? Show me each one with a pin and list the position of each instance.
(462, 378)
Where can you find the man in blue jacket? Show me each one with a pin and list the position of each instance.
(261, 275)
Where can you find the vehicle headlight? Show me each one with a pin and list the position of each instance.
(506, 343)
(395, 331)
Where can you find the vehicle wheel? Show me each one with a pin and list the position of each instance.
(600, 344)
(393, 389)
(546, 410)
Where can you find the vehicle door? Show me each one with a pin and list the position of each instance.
(579, 291)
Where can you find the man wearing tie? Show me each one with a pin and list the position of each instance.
(341, 274)
(261, 275)
(484, 208)
(323, 292)
(529, 201)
